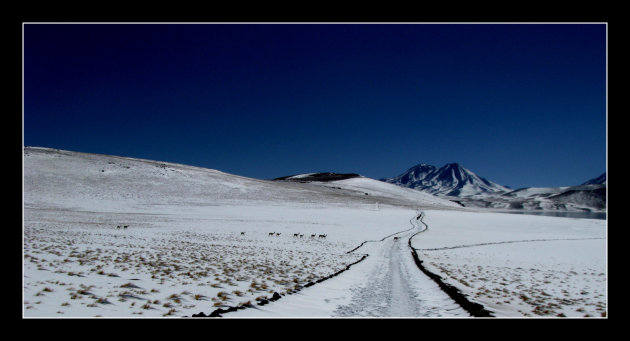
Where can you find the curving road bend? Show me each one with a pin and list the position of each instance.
(395, 287)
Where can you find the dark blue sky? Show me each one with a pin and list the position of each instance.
(521, 105)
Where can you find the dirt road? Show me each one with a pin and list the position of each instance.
(395, 287)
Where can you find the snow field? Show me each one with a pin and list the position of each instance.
(199, 239)
(526, 266)
(78, 264)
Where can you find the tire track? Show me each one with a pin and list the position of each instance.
(391, 235)
(390, 290)
(394, 288)
(505, 242)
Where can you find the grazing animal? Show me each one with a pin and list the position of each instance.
(242, 233)
(313, 236)
(395, 238)
(301, 235)
(277, 233)
(126, 226)
(118, 227)
(296, 234)
(322, 236)
(271, 234)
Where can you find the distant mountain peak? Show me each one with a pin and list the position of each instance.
(451, 179)
(600, 180)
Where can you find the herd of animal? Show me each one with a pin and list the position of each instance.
(271, 234)
(296, 235)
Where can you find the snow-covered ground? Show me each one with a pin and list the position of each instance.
(199, 239)
(520, 265)
(184, 263)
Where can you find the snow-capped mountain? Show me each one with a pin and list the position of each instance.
(450, 180)
(466, 188)
(600, 180)
(589, 196)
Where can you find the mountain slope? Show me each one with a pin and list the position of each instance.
(593, 196)
(575, 198)
(450, 180)
(66, 179)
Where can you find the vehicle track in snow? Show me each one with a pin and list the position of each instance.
(395, 288)
(504, 242)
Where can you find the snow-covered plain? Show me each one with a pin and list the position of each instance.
(199, 239)
(520, 265)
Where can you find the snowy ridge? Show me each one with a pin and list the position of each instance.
(74, 179)
(583, 198)
(470, 190)
(378, 189)
(529, 192)
(600, 180)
